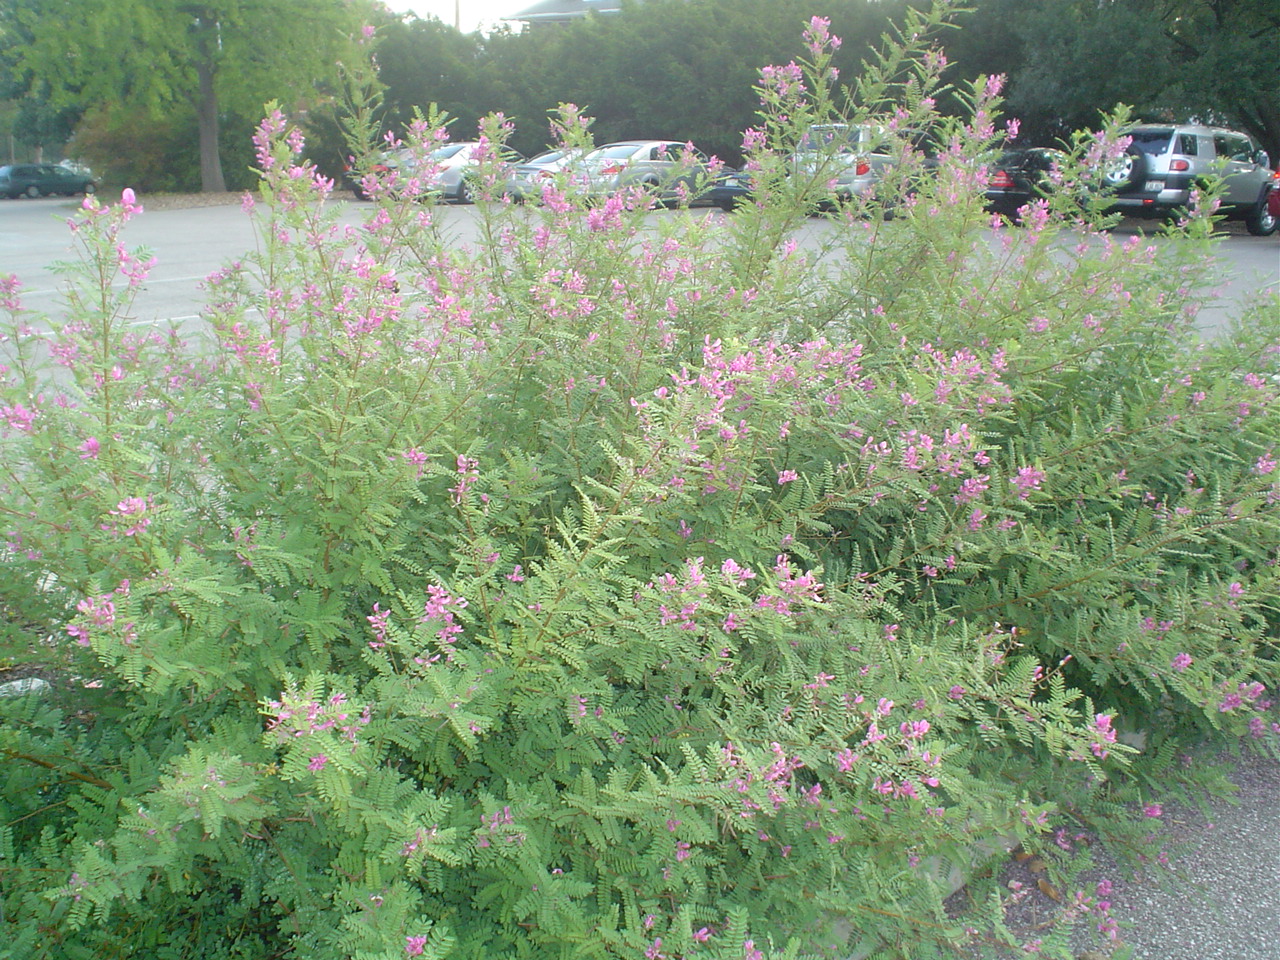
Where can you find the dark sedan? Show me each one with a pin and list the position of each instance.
(1018, 177)
(43, 180)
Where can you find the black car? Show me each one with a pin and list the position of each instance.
(731, 189)
(1018, 177)
(43, 180)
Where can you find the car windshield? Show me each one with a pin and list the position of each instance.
(547, 158)
(444, 153)
(820, 138)
(620, 151)
(1153, 142)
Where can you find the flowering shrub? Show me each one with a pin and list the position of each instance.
(627, 585)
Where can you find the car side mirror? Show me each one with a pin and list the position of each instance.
(1262, 159)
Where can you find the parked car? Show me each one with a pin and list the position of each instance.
(1165, 163)
(449, 171)
(731, 189)
(528, 178)
(1273, 199)
(1018, 176)
(850, 157)
(670, 170)
(44, 180)
(455, 167)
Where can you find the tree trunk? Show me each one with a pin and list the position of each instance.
(211, 180)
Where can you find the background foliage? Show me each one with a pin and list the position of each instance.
(633, 583)
(676, 69)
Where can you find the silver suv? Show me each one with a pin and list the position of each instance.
(1166, 162)
(850, 159)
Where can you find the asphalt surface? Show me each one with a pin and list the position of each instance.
(1223, 902)
(1218, 898)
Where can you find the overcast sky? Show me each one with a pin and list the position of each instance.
(471, 14)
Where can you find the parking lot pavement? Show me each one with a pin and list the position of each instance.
(1224, 900)
(1219, 900)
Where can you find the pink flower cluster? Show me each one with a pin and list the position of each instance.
(132, 516)
(439, 608)
(99, 614)
(291, 718)
(494, 827)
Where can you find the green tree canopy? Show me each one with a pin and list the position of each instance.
(1068, 60)
(678, 69)
(161, 56)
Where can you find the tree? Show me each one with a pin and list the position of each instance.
(162, 56)
(1224, 61)
(1212, 60)
(680, 69)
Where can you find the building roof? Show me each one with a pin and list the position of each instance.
(556, 11)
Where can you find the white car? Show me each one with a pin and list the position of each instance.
(450, 171)
(670, 170)
(529, 176)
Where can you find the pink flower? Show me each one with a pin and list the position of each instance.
(89, 449)
(1152, 810)
(20, 418)
(1028, 479)
(1181, 662)
(128, 197)
(787, 476)
(316, 765)
(414, 946)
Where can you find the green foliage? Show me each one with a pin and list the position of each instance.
(1170, 59)
(156, 154)
(164, 60)
(669, 70)
(631, 583)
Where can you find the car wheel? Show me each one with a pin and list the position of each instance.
(1260, 222)
(654, 189)
(464, 191)
(90, 188)
(1127, 172)
(33, 191)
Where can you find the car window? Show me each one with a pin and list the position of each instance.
(833, 136)
(1188, 144)
(619, 152)
(444, 153)
(547, 157)
(1232, 147)
(1152, 142)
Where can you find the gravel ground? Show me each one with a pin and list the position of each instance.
(1225, 903)
(1220, 902)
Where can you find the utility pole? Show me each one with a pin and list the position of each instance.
(457, 15)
